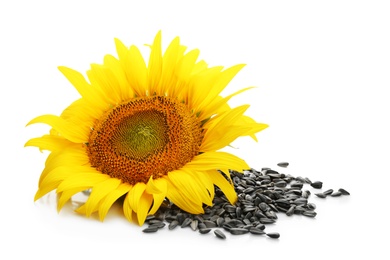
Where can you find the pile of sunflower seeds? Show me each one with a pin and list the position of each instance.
(262, 195)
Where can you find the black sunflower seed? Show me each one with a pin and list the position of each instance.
(201, 225)
(290, 211)
(316, 184)
(219, 234)
(327, 192)
(186, 222)
(311, 206)
(283, 164)
(320, 195)
(150, 230)
(335, 194)
(344, 192)
(220, 221)
(261, 196)
(210, 224)
(238, 231)
(204, 230)
(256, 231)
(308, 213)
(266, 221)
(273, 235)
(157, 225)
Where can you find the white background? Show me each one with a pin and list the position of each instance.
(322, 72)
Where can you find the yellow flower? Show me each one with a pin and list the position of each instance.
(145, 132)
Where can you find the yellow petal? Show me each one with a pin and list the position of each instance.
(151, 187)
(144, 205)
(116, 68)
(215, 106)
(99, 191)
(113, 196)
(226, 187)
(136, 72)
(216, 160)
(200, 85)
(170, 58)
(93, 95)
(69, 157)
(121, 49)
(135, 195)
(186, 185)
(203, 179)
(65, 128)
(181, 201)
(54, 178)
(158, 198)
(49, 142)
(127, 209)
(223, 129)
(223, 80)
(155, 66)
(82, 179)
(66, 195)
(81, 113)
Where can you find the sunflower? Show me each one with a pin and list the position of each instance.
(142, 133)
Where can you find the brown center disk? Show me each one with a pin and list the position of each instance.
(148, 136)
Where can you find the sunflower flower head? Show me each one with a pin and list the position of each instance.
(145, 132)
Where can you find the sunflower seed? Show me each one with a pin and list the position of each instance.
(316, 184)
(186, 222)
(157, 225)
(150, 230)
(220, 221)
(238, 212)
(210, 224)
(281, 184)
(238, 231)
(230, 208)
(327, 192)
(263, 206)
(154, 221)
(344, 192)
(298, 210)
(271, 214)
(204, 230)
(246, 221)
(311, 206)
(335, 194)
(227, 226)
(201, 225)
(249, 209)
(219, 234)
(273, 235)
(256, 231)
(194, 224)
(320, 195)
(309, 214)
(261, 195)
(296, 184)
(283, 164)
(305, 194)
(290, 211)
(266, 221)
(300, 201)
(180, 218)
(307, 180)
(260, 226)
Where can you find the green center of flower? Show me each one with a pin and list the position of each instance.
(148, 136)
(141, 135)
